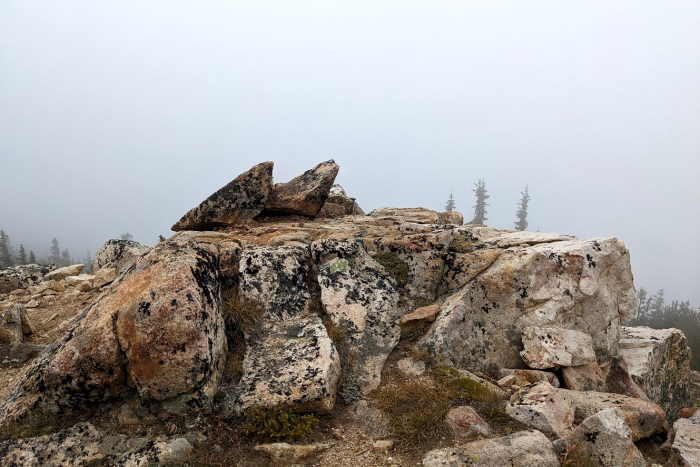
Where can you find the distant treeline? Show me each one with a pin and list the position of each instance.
(481, 195)
(11, 256)
(655, 312)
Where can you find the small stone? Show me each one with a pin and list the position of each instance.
(383, 445)
(411, 368)
(285, 452)
(427, 313)
(466, 424)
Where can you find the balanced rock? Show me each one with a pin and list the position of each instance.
(659, 361)
(550, 347)
(523, 449)
(242, 199)
(339, 204)
(305, 194)
(603, 439)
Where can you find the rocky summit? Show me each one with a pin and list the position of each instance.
(282, 325)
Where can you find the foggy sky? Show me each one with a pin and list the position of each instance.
(120, 116)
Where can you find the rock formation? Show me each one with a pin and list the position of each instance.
(284, 300)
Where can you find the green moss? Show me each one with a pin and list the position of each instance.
(464, 243)
(463, 388)
(395, 266)
(277, 424)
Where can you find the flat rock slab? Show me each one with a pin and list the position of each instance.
(289, 363)
(521, 449)
(659, 362)
(241, 199)
(305, 194)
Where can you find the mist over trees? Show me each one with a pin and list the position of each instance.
(655, 312)
(481, 195)
(9, 256)
(521, 213)
(450, 205)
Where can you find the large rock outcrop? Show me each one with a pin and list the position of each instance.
(159, 329)
(239, 200)
(531, 280)
(659, 362)
(118, 254)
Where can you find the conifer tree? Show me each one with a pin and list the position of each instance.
(22, 255)
(88, 261)
(481, 195)
(32, 258)
(450, 205)
(54, 253)
(126, 236)
(521, 213)
(5, 256)
(65, 258)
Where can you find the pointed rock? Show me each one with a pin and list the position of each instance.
(241, 199)
(305, 194)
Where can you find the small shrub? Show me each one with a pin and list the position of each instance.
(416, 408)
(395, 266)
(463, 388)
(277, 424)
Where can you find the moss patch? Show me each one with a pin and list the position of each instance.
(277, 424)
(395, 266)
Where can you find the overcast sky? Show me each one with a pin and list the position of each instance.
(120, 116)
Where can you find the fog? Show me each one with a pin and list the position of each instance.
(120, 116)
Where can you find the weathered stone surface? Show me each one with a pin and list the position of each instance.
(62, 273)
(526, 377)
(83, 444)
(241, 199)
(659, 361)
(83, 282)
(686, 443)
(521, 449)
(305, 194)
(603, 439)
(290, 362)
(160, 326)
(466, 424)
(21, 277)
(450, 217)
(544, 408)
(412, 215)
(290, 453)
(360, 300)
(480, 326)
(273, 283)
(339, 204)
(550, 347)
(14, 325)
(588, 377)
(118, 254)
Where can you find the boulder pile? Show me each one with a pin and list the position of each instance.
(287, 297)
